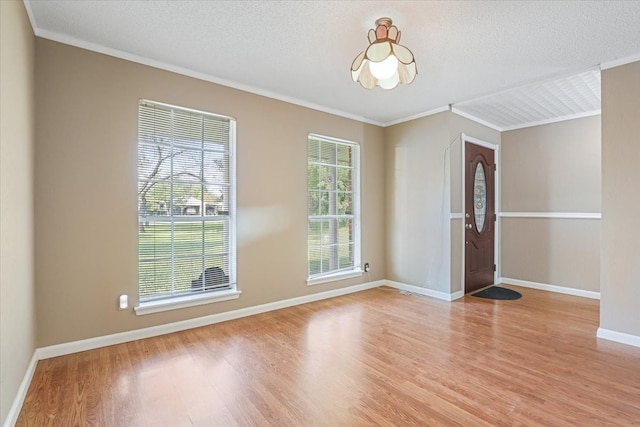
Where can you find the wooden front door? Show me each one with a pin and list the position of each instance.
(479, 217)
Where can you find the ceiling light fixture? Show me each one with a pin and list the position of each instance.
(384, 63)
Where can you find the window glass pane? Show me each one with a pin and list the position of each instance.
(315, 259)
(328, 153)
(188, 238)
(344, 203)
(187, 166)
(323, 202)
(216, 237)
(220, 204)
(154, 124)
(154, 278)
(153, 179)
(153, 161)
(345, 231)
(346, 255)
(331, 238)
(216, 167)
(153, 198)
(154, 240)
(187, 199)
(221, 264)
(187, 129)
(186, 270)
(214, 277)
(314, 150)
(215, 134)
(325, 261)
(344, 155)
(313, 178)
(327, 178)
(313, 203)
(315, 245)
(479, 197)
(315, 232)
(343, 179)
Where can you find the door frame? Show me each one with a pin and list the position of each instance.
(496, 191)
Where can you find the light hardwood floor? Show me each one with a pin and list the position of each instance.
(374, 358)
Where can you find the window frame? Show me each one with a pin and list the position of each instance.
(183, 300)
(356, 269)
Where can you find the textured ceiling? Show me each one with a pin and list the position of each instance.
(301, 51)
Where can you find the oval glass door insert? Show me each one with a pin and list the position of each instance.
(479, 197)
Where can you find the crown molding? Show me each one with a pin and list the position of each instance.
(417, 116)
(619, 62)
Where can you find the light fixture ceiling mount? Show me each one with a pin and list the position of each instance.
(385, 62)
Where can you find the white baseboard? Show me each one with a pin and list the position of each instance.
(16, 406)
(424, 291)
(551, 288)
(122, 337)
(457, 295)
(620, 337)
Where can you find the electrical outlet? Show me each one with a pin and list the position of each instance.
(366, 267)
(123, 301)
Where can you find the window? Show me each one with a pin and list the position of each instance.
(186, 219)
(333, 209)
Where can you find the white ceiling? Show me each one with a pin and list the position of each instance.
(301, 51)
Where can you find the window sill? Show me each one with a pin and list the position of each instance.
(185, 301)
(334, 277)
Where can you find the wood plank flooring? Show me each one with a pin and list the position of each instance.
(374, 358)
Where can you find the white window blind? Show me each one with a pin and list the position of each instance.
(333, 206)
(186, 218)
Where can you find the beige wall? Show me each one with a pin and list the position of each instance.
(620, 277)
(86, 233)
(552, 168)
(422, 178)
(415, 196)
(561, 252)
(17, 306)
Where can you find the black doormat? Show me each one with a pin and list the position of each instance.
(497, 292)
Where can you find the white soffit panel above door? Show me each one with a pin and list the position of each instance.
(548, 101)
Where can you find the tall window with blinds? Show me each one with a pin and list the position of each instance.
(333, 207)
(186, 226)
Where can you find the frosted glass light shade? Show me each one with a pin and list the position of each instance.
(385, 69)
(385, 63)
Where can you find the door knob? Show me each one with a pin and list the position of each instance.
(468, 226)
